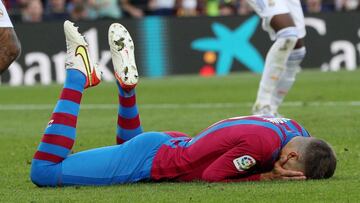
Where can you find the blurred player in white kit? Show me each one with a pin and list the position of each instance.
(284, 21)
(9, 43)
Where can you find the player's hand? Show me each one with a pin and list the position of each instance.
(279, 173)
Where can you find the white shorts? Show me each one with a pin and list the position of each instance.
(4, 17)
(266, 9)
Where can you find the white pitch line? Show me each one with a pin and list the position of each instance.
(31, 107)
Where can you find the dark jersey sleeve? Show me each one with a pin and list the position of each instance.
(234, 165)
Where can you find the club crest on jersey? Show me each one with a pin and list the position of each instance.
(244, 162)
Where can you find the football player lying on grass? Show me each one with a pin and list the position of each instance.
(247, 148)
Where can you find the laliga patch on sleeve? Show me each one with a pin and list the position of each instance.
(244, 163)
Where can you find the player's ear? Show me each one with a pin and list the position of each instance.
(293, 155)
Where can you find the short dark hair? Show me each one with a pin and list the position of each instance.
(319, 160)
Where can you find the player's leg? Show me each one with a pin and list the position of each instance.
(129, 162)
(278, 22)
(275, 62)
(122, 51)
(296, 56)
(59, 136)
(288, 78)
(10, 45)
(128, 122)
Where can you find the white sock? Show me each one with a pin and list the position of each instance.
(275, 65)
(288, 78)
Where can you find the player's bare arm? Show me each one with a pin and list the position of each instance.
(9, 49)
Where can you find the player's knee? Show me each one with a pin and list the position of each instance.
(44, 174)
(281, 21)
(285, 42)
(289, 35)
(14, 49)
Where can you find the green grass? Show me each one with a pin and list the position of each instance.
(20, 132)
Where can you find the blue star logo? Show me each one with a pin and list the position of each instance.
(232, 45)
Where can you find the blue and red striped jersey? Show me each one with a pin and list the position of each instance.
(234, 149)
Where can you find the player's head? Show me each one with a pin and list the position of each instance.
(314, 157)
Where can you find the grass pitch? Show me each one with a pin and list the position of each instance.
(327, 104)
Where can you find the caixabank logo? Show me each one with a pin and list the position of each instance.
(171, 46)
(228, 45)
